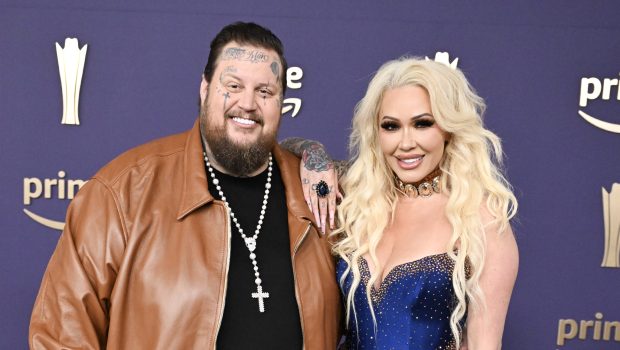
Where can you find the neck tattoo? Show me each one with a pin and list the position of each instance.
(423, 188)
(250, 242)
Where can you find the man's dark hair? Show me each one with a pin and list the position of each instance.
(245, 33)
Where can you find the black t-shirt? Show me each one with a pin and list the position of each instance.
(243, 326)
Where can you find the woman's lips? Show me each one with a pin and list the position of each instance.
(409, 163)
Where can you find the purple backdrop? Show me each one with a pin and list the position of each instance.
(141, 81)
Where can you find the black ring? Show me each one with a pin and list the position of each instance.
(322, 190)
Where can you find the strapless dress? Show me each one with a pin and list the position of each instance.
(412, 306)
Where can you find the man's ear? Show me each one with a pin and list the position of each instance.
(204, 88)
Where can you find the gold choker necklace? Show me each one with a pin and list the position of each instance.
(423, 188)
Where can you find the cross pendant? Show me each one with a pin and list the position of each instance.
(260, 295)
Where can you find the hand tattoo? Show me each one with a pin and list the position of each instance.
(298, 146)
(316, 159)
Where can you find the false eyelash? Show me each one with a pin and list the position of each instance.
(389, 126)
(424, 123)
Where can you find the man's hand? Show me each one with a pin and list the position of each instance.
(320, 184)
(319, 176)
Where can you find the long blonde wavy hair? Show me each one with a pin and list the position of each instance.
(472, 176)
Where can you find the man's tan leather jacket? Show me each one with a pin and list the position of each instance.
(143, 259)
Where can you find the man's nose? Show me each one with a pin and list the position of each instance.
(247, 100)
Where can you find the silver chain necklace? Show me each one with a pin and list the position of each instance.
(250, 242)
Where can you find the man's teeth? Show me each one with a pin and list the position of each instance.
(244, 121)
(411, 160)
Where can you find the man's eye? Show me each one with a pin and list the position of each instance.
(264, 92)
(233, 86)
(389, 126)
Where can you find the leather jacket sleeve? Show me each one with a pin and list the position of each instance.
(71, 309)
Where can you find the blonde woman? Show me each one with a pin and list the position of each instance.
(427, 258)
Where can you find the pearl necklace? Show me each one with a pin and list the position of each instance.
(250, 242)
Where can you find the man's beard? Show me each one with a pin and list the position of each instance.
(237, 159)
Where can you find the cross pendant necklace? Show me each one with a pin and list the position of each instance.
(250, 242)
(261, 296)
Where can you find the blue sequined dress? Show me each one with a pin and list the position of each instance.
(412, 306)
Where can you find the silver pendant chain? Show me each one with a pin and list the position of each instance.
(250, 242)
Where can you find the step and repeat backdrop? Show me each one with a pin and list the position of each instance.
(548, 71)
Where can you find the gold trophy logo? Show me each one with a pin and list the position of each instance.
(71, 66)
(611, 214)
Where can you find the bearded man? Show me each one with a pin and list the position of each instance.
(201, 239)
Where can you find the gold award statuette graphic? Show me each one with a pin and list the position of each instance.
(71, 66)
(611, 214)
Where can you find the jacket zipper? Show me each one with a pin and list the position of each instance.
(221, 315)
(297, 245)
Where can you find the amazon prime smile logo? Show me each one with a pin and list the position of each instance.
(71, 67)
(51, 189)
(595, 88)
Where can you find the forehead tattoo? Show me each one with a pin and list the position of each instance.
(241, 54)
